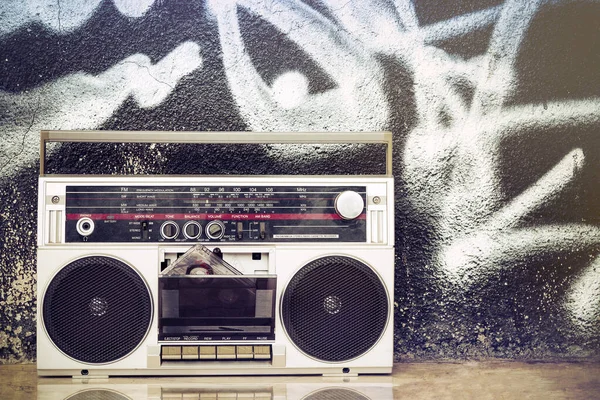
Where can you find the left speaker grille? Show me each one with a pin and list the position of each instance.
(97, 309)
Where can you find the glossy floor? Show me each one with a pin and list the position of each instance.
(469, 380)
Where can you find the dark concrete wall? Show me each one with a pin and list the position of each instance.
(494, 108)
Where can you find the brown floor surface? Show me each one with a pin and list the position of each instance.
(469, 380)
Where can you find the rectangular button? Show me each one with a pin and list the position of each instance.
(189, 353)
(171, 353)
(262, 352)
(208, 353)
(225, 352)
(244, 352)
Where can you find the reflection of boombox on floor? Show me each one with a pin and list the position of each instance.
(231, 275)
(295, 388)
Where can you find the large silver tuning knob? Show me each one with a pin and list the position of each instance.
(349, 204)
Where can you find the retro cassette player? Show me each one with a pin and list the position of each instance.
(215, 275)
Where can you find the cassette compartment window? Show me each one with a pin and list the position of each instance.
(218, 307)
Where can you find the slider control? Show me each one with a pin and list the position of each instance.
(239, 230)
(262, 230)
(145, 235)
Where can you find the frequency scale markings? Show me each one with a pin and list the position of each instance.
(199, 213)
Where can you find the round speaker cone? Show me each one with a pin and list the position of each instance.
(335, 308)
(97, 309)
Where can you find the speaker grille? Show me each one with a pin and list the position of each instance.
(335, 308)
(97, 309)
(98, 394)
(336, 394)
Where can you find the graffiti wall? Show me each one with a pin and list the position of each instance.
(494, 107)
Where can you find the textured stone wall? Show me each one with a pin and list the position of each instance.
(494, 106)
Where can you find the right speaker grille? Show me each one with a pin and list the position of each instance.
(335, 308)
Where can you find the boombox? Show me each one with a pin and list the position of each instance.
(215, 275)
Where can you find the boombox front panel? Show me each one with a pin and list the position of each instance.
(204, 213)
(326, 307)
(215, 210)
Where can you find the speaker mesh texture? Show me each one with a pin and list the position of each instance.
(98, 394)
(335, 308)
(97, 310)
(336, 394)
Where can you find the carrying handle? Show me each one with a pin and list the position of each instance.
(48, 136)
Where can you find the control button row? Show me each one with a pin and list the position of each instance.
(216, 394)
(224, 352)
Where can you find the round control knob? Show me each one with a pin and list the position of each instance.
(169, 230)
(192, 230)
(215, 230)
(349, 204)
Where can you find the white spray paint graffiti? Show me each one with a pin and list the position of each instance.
(450, 165)
(61, 15)
(583, 299)
(358, 101)
(83, 101)
(457, 157)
